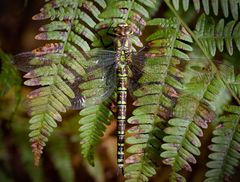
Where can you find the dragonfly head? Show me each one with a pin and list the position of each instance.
(123, 29)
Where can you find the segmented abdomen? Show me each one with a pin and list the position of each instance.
(121, 111)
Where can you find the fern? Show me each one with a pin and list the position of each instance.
(94, 120)
(213, 36)
(217, 6)
(205, 84)
(194, 110)
(236, 85)
(159, 88)
(72, 29)
(225, 146)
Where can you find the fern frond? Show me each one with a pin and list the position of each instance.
(206, 85)
(159, 88)
(94, 118)
(182, 140)
(93, 123)
(218, 6)
(214, 35)
(72, 29)
(195, 109)
(225, 154)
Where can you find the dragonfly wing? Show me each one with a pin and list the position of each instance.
(28, 61)
(97, 82)
(97, 90)
(147, 68)
(136, 70)
(76, 92)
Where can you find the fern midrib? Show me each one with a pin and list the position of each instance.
(209, 58)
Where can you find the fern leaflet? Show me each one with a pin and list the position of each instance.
(218, 6)
(225, 146)
(213, 36)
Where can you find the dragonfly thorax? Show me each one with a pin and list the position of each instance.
(122, 40)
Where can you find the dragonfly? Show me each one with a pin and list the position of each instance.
(116, 71)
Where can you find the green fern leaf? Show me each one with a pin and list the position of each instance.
(206, 85)
(19, 127)
(225, 146)
(182, 141)
(213, 36)
(218, 6)
(93, 123)
(202, 98)
(159, 88)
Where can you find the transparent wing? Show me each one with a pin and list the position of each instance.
(97, 90)
(95, 86)
(28, 61)
(145, 69)
(81, 92)
(150, 67)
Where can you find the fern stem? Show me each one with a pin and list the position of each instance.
(209, 58)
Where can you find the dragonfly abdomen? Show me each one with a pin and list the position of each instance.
(122, 109)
